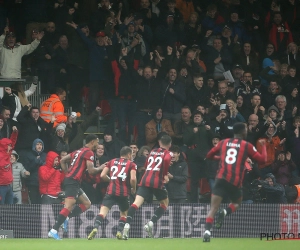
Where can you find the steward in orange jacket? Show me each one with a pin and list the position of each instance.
(54, 105)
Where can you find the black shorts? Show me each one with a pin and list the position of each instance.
(72, 188)
(148, 192)
(110, 200)
(225, 189)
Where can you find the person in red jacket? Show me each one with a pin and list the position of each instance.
(50, 179)
(6, 174)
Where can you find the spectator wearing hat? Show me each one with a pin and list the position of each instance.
(58, 142)
(248, 59)
(156, 126)
(100, 70)
(19, 172)
(111, 143)
(32, 161)
(131, 39)
(197, 137)
(12, 53)
(223, 124)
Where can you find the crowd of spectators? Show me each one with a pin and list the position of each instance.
(188, 68)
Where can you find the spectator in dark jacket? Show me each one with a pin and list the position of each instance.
(197, 94)
(112, 144)
(178, 175)
(32, 161)
(58, 143)
(272, 191)
(32, 126)
(283, 167)
(173, 96)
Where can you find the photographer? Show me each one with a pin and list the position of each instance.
(271, 191)
(50, 179)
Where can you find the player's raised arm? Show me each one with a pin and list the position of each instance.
(91, 169)
(63, 163)
(255, 155)
(212, 154)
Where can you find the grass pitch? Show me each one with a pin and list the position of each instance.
(147, 244)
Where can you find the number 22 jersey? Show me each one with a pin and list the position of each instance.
(157, 166)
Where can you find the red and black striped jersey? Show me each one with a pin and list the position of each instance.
(78, 165)
(119, 169)
(233, 154)
(156, 167)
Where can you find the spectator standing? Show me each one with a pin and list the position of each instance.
(54, 106)
(50, 178)
(12, 53)
(178, 175)
(19, 172)
(58, 142)
(34, 159)
(6, 173)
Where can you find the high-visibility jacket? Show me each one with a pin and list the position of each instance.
(297, 201)
(53, 106)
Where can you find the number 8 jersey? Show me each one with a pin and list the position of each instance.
(233, 154)
(157, 165)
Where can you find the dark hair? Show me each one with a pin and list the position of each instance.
(175, 148)
(125, 151)
(165, 140)
(291, 67)
(5, 108)
(90, 138)
(133, 143)
(196, 76)
(34, 107)
(59, 91)
(239, 128)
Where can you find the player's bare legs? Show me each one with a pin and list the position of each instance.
(64, 213)
(163, 204)
(83, 204)
(139, 200)
(215, 204)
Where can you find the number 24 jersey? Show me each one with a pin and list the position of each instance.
(119, 169)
